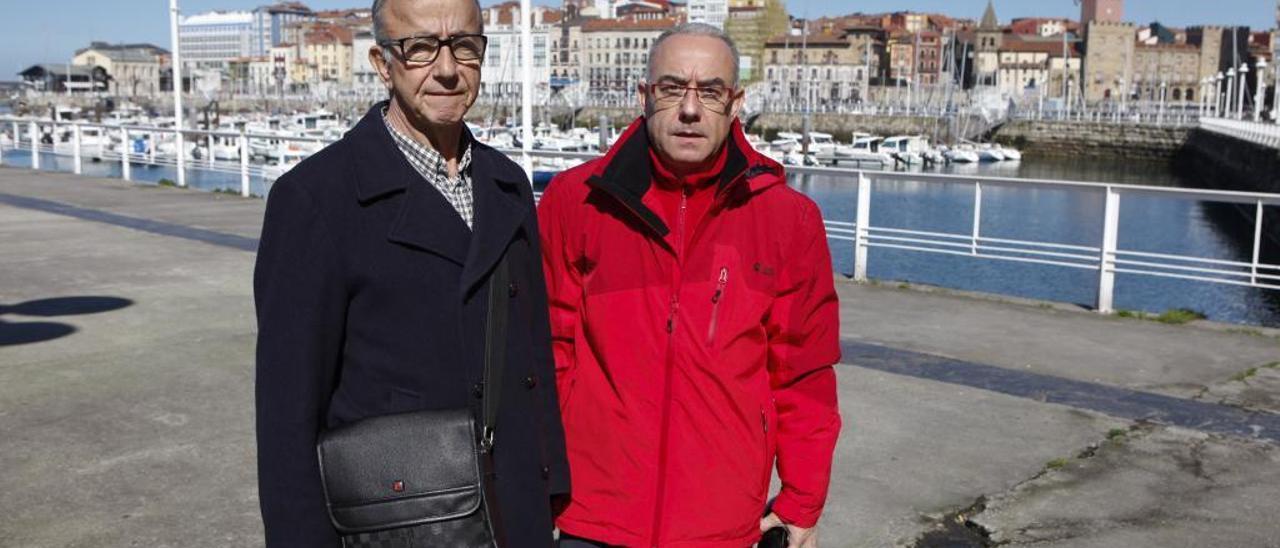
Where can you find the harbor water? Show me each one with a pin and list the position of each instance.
(1074, 217)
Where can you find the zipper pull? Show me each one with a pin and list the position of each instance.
(724, 279)
(671, 316)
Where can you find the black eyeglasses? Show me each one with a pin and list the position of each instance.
(423, 50)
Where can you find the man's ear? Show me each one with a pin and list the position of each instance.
(377, 58)
(642, 96)
(740, 97)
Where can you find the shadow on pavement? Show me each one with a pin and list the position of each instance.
(15, 333)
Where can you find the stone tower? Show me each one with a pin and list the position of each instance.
(1101, 11)
(990, 38)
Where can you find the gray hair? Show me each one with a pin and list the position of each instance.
(376, 11)
(693, 29)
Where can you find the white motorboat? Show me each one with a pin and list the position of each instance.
(989, 154)
(867, 150)
(908, 149)
(1010, 154)
(961, 155)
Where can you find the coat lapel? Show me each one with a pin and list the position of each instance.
(425, 219)
(501, 208)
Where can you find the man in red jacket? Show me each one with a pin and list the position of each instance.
(694, 322)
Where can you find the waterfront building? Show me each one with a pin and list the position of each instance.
(269, 22)
(711, 12)
(327, 52)
(132, 69)
(1170, 71)
(615, 53)
(1108, 62)
(211, 40)
(818, 68)
(566, 51)
(64, 77)
(503, 64)
(1031, 65)
(750, 24)
(364, 79)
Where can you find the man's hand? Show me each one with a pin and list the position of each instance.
(797, 537)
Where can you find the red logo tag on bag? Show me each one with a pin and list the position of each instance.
(397, 486)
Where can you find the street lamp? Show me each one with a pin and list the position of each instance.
(1231, 93)
(1163, 90)
(1258, 97)
(1241, 85)
(1217, 96)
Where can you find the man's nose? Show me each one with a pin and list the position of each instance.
(690, 107)
(445, 67)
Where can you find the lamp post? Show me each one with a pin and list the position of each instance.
(1204, 96)
(1228, 101)
(1217, 95)
(1242, 83)
(1258, 96)
(1163, 90)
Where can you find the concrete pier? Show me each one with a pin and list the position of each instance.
(126, 382)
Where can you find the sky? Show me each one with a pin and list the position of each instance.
(35, 32)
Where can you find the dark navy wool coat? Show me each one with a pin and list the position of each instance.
(371, 295)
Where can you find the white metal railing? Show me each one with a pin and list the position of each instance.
(1105, 258)
(1267, 135)
(28, 134)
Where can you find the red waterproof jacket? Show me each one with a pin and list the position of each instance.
(689, 358)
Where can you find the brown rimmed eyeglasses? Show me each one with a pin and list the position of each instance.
(715, 97)
(424, 50)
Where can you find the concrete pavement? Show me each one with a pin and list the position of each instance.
(126, 343)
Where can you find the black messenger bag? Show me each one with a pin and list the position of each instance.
(420, 479)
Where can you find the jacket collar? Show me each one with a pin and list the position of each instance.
(427, 221)
(626, 174)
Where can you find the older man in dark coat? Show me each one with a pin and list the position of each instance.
(372, 284)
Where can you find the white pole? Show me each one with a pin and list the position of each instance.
(177, 91)
(860, 229)
(124, 154)
(244, 163)
(77, 162)
(1107, 264)
(1241, 85)
(1258, 96)
(35, 146)
(526, 87)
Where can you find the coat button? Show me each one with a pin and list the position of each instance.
(546, 472)
(530, 382)
(512, 290)
(478, 390)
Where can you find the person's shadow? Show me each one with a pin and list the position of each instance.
(14, 333)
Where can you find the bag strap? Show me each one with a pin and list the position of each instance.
(495, 348)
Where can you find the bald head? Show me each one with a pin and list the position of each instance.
(380, 8)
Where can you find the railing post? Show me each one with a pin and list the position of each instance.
(1257, 243)
(182, 157)
(977, 216)
(151, 148)
(1107, 262)
(124, 155)
(244, 164)
(77, 161)
(34, 131)
(862, 224)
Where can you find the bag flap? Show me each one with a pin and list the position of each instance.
(401, 470)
